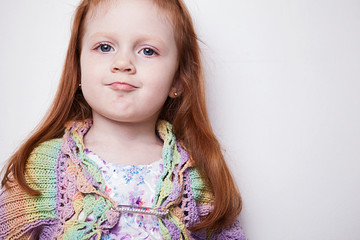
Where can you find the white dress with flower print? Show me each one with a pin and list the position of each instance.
(131, 185)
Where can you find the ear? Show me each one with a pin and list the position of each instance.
(176, 89)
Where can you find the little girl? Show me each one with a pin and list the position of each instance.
(126, 150)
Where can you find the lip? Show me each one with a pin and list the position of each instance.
(123, 86)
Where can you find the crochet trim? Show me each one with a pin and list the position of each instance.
(84, 208)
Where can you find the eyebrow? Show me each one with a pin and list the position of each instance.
(140, 39)
(100, 34)
(152, 39)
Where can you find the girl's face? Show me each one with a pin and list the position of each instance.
(128, 61)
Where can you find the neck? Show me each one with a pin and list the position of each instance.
(115, 133)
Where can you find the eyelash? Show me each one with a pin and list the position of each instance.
(98, 48)
(147, 48)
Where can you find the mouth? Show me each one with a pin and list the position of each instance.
(123, 86)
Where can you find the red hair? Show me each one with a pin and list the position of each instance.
(187, 113)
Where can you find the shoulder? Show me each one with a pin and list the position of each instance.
(48, 149)
(200, 187)
(204, 197)
(42, 163)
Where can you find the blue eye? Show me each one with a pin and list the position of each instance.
(148, 52)
(104, 48)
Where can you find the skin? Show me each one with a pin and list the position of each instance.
(128, 63)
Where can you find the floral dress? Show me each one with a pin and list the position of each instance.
(131, 185)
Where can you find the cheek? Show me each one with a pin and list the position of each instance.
(168, 71)
(84, 69)
(164, 84)
(88, 80)
(87, 62)
(90, 71)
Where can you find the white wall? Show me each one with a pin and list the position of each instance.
(33, 42)
(283, 94)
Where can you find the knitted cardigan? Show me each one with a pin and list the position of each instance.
(72, 188)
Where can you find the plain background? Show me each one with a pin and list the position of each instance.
(283, 84)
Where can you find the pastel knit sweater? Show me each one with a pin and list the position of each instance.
(72, 188)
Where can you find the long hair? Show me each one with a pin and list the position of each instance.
(187, 113)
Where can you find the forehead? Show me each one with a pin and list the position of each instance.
(132, 12)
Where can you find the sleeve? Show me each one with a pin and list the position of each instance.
(23, 216)
(235, 232)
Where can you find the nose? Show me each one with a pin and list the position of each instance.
(123, 63)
